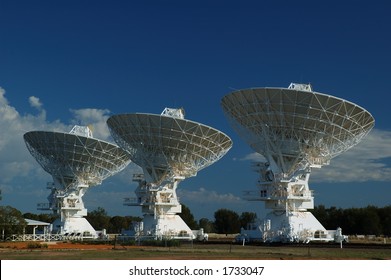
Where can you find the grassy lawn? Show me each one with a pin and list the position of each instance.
(202, 252)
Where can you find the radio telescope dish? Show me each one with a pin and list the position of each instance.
(76, 161)
(295, 129)
(169, 149)
(166, 146)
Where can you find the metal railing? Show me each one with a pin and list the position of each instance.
(48, 237)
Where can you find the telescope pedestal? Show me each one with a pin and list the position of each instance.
(294, 129)
(160, 207)
(76, 161)
(287, 227)
(69, 206)
(169, 226)
(288, 197)
(78, 226)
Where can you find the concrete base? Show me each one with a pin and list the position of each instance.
(163, 227)
(74, 225)
(281, 226)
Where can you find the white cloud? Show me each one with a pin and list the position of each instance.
(7, 113)
(366, 161)
(3, 100)
(204, 203)
(208, 196)
(15, 160)
(35, 102)
(95, 118)
(111, 201)
(19, 171)
(254, 157)
(23, 181)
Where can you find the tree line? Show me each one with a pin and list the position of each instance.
(370, 220)
(226, 221)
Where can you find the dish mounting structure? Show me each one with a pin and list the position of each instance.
(76, 161)
(169, 149)
(295, 129)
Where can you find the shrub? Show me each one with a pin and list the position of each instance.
(36, 245)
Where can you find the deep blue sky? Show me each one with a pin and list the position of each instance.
(143, 56)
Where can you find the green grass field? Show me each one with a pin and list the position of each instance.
(198, 251)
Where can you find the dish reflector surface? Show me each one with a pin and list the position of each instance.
(296, 126)
(166, 146)
(74, 158)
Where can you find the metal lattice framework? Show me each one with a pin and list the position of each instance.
(167, 146)
(74, 159)
(296, 128)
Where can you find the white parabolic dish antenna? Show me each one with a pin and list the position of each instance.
(169, 149)
(76, 161)
(295, 129)
(166, 146)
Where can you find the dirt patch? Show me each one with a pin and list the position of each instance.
(196, 251)
(54, 245)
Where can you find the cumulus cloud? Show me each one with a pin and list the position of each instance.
(35, 102)
(254, 157)
(95, 118)
(23, 181)
(3, 100)
(368, 161)
(14, 157)
(19, 171)
(204, 203)
(208, 196)
(7, 113)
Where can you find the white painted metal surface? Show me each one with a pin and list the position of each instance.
(76, 161)
(295, 129)
(169, 149)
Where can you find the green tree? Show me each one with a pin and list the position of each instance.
(99, 219)
(207, 225)
(117, 223)
(385, 218)
(350, 221)
(11, 221)
(226, 221)
(370, 221)
(247, 218)
(320, 212)
(188, 217)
